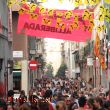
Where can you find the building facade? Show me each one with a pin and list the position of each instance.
(5, 47)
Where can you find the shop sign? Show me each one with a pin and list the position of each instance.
(90, 61)
(17, 54)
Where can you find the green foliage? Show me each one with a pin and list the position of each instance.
(49, 71)
(61, 70)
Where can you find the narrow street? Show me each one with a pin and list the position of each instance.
(54, 54)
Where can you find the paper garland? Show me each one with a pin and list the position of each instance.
(104, 14)
(107, 1)
(76, 3)
(32, 8)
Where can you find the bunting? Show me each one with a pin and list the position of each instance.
(76, 3)
(68, 27)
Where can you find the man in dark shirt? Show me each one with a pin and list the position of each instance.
(98, 103)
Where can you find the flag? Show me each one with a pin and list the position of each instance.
(102, 62)
(97, 46)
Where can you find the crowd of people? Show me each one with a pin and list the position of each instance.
(59, 94)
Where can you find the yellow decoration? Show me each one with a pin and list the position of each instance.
(60, 25)
(86, 2)
(80, 2)
(43, 0)
(107, 14)
(59, 14)
(99, 29)
(90, 29)
(71, 27)
(33, 16)
(75, 17)
(75, 25)
(86, 15)
(93, 2)
(77, 2)
(102, 9)
(107, 18)
(42, 9)
(57, 24)
(101, 17)
(103, 27)
(106, 11)
(68, 14)
(32, 7)
(59, 20)
(50, 12)
(10, 3)
(46, 21)
(23, 1)
(107, 1)
(92, 24)
(28, 11)
(21, 11)
(61, 1)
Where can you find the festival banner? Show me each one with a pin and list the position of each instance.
(59, 27)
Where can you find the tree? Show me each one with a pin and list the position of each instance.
(61, 70)
(49, 70)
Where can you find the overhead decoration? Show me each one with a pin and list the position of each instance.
(10, 3)
(36, 20)
(60, 24)
(101, 28)
(107, 1)
(97, 46)
(104, 14)
(87, 15)
(102, 62)
(43, 0)
(60, 1)
(94, 2)
(50, 12)
(76, 3)
(97, 52)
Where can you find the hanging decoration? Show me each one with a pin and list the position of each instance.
(60, 1)
(107, 1)
(104, 14)
(94, 2)
(70, 20)
(102, 61)
(60, 24)
(97, 46)
(43, 1)
(97, 52)
(76, 3)
(101, 28)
